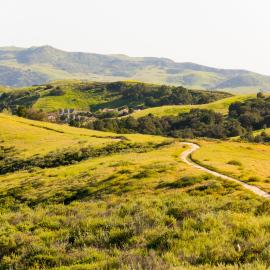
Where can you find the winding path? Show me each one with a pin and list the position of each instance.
(185, 156)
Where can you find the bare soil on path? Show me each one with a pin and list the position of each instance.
(185, 156)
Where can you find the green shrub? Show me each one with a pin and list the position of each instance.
(185, 181)
(234, 162)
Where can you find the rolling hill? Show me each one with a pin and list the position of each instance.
(100, 95)
(220, 106)
(37, 65)
(130, 203)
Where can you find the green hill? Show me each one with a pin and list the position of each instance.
(220, 106)
(37, 65)
(99, 95)
(85, 199)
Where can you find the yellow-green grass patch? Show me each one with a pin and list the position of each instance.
(34, 137)
(143, 173)
(220, 106)
(245, 161)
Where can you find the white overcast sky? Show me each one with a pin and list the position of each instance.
(219, 33)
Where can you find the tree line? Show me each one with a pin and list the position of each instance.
(243, 118)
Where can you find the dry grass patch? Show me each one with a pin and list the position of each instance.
(246, 161)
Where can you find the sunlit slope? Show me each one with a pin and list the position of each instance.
(145, 205)
(246, 161)
(220, 106)
(89, 95)
(72, 98)
(33, 137)
(122, 173)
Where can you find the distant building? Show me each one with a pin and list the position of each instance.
(52, 117)
(71, 114)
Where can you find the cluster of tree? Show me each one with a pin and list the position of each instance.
(141, 95)
(114, 95)
(243, 117)
(31, 113)
(263, 137)
(196, 123)
(253, 114)
(57, 91)
(17, 98)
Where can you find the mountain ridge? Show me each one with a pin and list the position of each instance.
(37, 65)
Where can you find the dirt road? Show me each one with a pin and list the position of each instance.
(193, 147)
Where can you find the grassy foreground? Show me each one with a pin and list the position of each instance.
(130, 210)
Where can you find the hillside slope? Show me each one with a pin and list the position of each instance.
(134, 206)
(93, 95)
(37, 65)
(220, 106)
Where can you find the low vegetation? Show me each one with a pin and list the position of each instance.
(248, 162)
(76, 198)
(68, 156)
(133, 204)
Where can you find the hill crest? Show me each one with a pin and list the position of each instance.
(38, 65)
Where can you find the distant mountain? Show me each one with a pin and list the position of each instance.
(37, 65)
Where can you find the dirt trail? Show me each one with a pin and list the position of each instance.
(193, 147)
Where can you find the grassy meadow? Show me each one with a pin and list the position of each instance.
(72, 98)
(220, 106)
(142, 208)
(246, 161)
(32, 137)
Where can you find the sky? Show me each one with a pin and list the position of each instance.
(218, 33)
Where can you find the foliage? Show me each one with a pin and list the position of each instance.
(31, 113)
(243, 116)
(83, 95)
(253, 114)
(220, 106)
(263, 137)
(196, 123)
(131, 205)
(70, 156)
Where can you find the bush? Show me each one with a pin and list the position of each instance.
(234, 162)
(185, 181)
(56, 92)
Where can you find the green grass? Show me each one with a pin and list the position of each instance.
(33, 137)
(220, 106)
(246, 161)
(132, 210)
(71, 99)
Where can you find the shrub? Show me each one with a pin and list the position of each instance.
(185, 181)
(56, 92)
(234, 162)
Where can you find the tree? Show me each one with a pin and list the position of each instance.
(260, 95)
(21, 111)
